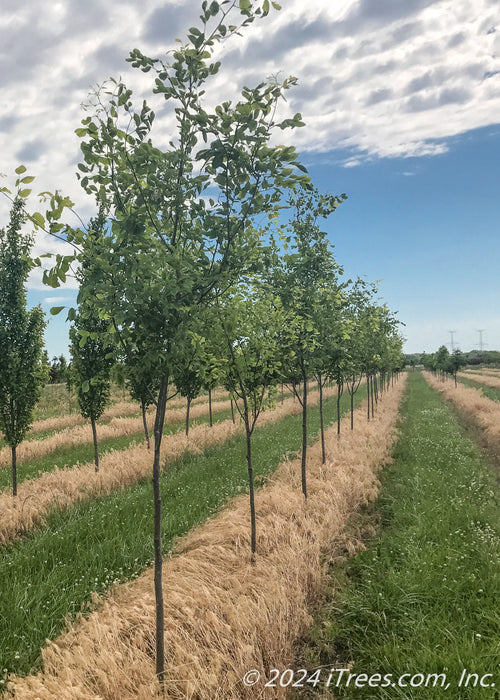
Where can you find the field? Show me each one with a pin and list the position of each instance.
(76, 555)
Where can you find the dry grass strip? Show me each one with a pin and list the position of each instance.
(118, 469)
(225, 616)
(118, 409)
(488, 379)
(484, 411)
(82, 434)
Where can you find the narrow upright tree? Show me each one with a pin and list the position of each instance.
(22, 369)
(91, 352)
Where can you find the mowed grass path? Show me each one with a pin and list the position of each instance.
(53, 571)
(423, 598)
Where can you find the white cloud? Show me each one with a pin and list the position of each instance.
(381, 79)
(55, 300)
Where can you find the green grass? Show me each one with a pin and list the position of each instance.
(52, 572)
(489, 391)
(66, 457)
(423, 598)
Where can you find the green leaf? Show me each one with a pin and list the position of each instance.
(20, 170)
(56, 310)
(26, 180)
(38, 219)
(24, 193)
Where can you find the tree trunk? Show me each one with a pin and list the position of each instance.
(160, 619)
(282, 394)
(373, 411)
(368, 393)
(320, 387)
(145, 424)
(253, 525)
(352, 410)
(232, 411)
(187, 416)
(14, 471)
(210, 406)
(340, 389)
(96, 448)
(304, 434)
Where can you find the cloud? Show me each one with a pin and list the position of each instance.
(31, 151)
(384, 78)
(55, 300)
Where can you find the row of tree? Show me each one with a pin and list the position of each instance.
(444, 363)
(205, 262)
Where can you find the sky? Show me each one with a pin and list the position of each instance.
(401, 101)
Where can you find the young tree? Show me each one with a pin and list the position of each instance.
(455, 362)
(300, 279)
(22, 370)
(143, 386)
(91, 352)
(167, 248)
(188, 374)
(253, 324)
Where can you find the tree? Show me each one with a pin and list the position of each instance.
(167, 248)
(188, 375)
(91, 351)
(442, 359)
(300, 279)
(253, 324)
(143, 385)
(455, 362)
(22, 369)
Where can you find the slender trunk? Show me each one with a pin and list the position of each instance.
(339, 394)
(96, 448)
(145, 424)
(160, 619)
(304, 434)
(282, 394)
(253, 525)
(210, 406)
(352, 410)
(187, 415)
(232, 411)
(455, 375)
(320, 387)
(14, 470)
(368, 390)
(371, 392)
(375, 387)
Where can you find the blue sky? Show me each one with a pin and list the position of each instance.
(402, 108)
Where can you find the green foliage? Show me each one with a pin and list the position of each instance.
(22, 370)
(253, 324)
(91, 352)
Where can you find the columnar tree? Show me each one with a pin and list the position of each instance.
(22, 370)
(91, 351)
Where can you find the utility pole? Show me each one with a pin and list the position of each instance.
(481, 344)
(452, 333)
